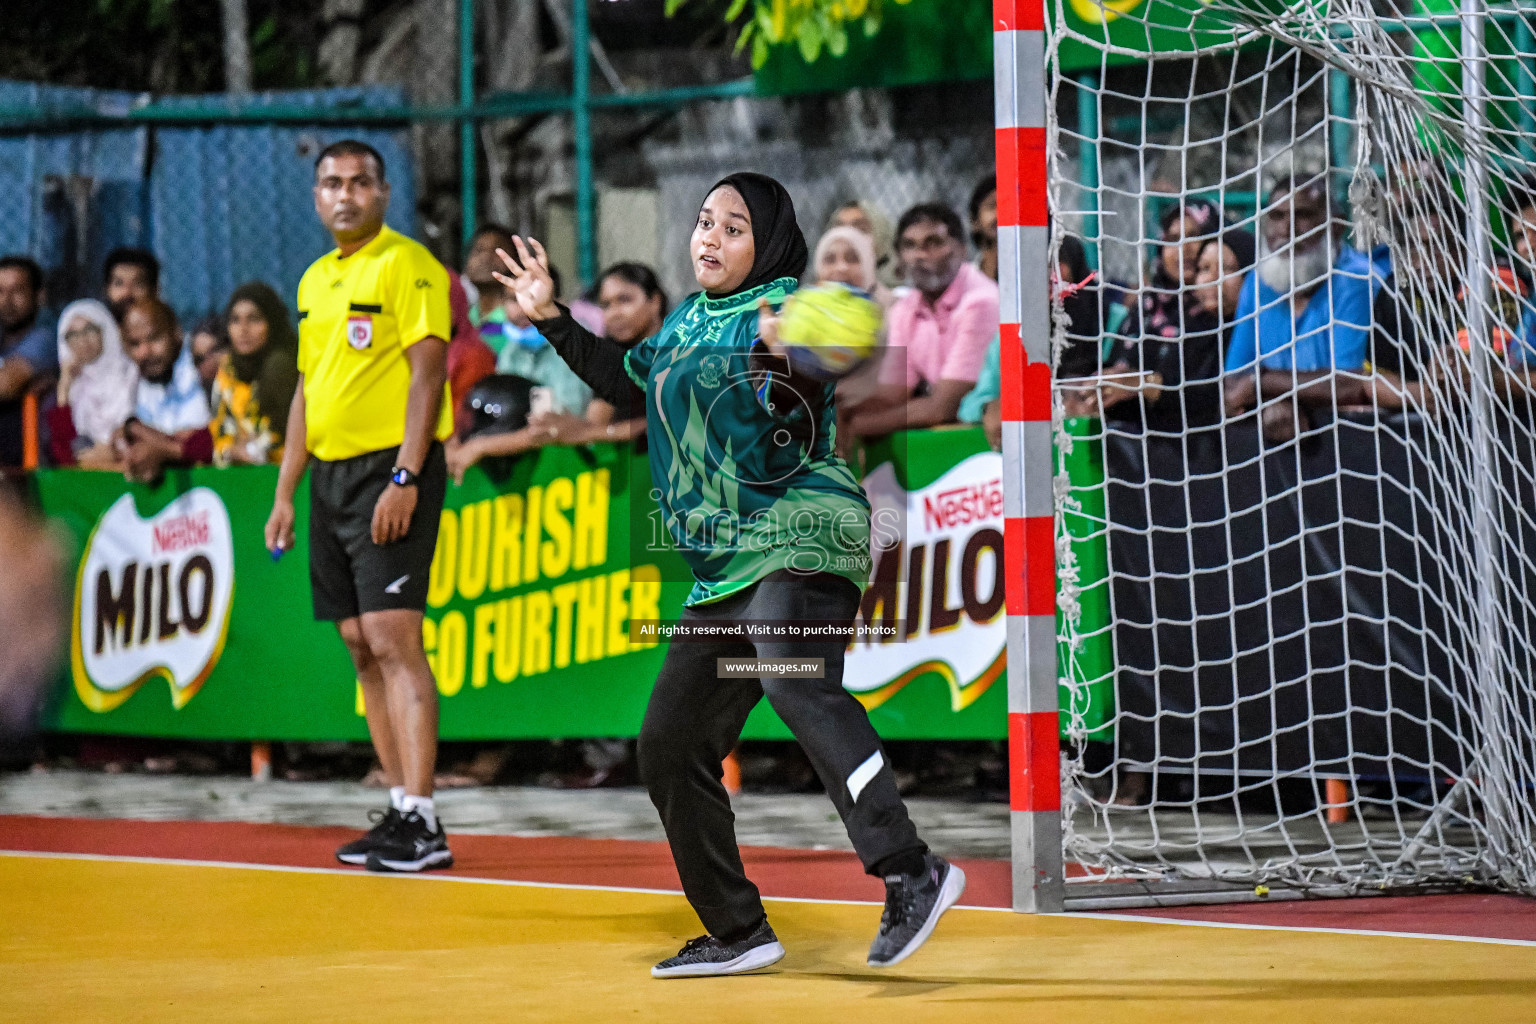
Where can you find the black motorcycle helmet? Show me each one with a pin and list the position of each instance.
(500, 404)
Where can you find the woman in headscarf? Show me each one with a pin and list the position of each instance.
(1188, 362)
(847, 255)
(1184, 229)
(256, 381)
(776, 530)
(97, 386)
(863, 215)
(1219, 275)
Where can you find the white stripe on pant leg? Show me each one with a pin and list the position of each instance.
(863, 774)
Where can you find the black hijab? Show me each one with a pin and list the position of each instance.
(779, 247)
(1243, 245)
(273, 368)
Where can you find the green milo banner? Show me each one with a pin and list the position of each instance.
(184, 626)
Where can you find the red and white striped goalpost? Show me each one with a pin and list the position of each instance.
(1023, 235)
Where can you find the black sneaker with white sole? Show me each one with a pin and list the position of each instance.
(356, 852)
(411, 846)
(708, 957)
(913, 905)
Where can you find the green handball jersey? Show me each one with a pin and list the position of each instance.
(743, 464)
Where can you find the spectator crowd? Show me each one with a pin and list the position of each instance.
(1285, 322)
(120, 383)
(1284, 325)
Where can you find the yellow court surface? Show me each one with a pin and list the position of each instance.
(87, 939)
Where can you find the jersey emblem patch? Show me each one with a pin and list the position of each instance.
(360, 331)
(710, 370)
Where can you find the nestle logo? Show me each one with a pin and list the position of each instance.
(961, 505)
(181, 532)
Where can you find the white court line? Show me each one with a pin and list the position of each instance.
(422, 876)
(1299, 928)
(433, 877)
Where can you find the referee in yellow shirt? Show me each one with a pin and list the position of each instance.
(371, 412)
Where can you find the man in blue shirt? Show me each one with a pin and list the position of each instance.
(29, 353)
(1304, 313)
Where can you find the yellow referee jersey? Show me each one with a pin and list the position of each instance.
(357, 316)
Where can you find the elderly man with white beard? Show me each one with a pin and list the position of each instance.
(1305, 312)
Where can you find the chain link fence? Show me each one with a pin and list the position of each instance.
(218, 204)
(222, 203)
(883, 147)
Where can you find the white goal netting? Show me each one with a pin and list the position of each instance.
(1296, 444)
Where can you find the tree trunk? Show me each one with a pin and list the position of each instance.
(237, 47)
(341, 33)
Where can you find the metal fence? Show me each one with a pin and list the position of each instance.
(891, 174)
(221, 195)
(218, 186)
(218, 203)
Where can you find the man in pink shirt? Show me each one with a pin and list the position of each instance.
(937, 334)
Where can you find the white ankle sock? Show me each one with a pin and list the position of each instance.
(422, 805)
(396, 797)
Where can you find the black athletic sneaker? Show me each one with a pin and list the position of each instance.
(411, 846)
(706, 956)
(913, 905)
(356, 852)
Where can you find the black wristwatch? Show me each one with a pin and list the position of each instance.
(401, 477)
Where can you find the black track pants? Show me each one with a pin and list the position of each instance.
(694, 719)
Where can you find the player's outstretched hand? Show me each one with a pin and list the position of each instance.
(528, 279)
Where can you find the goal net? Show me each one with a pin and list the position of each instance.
(1295, 445)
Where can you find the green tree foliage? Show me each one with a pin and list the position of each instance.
(815, 26)
(156, 45)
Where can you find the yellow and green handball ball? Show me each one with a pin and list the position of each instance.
(829, 330)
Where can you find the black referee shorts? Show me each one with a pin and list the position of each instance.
(348, 573)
